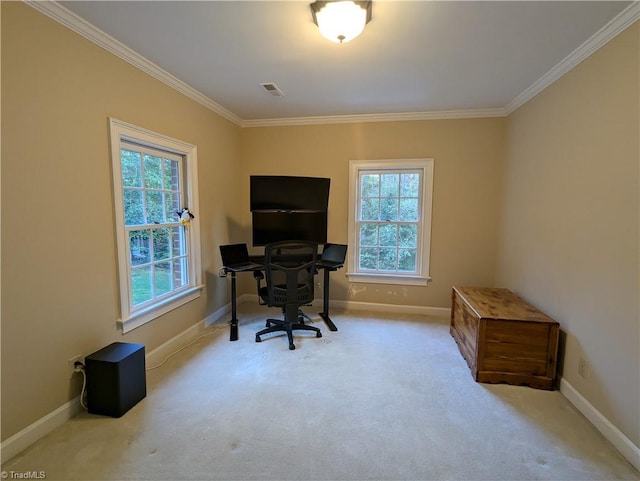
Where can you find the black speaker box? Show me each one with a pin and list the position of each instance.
(116, 379)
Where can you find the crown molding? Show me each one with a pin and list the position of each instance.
(77, 24)
(618, 24)
(72, 21)
(389, 117)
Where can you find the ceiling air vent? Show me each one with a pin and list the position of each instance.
(273, 89)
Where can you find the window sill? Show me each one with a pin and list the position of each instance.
(388, 279)
(142, 317)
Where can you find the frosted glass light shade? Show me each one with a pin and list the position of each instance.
(341, 21)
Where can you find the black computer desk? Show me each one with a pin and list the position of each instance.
(327, 268)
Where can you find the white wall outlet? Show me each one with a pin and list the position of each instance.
(583, 368)
(71, 365)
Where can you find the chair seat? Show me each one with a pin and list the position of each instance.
(280, 295)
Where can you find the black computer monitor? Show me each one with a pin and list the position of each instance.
(288, 208)
(274, 226)
(281, 192)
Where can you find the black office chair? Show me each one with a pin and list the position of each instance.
(289, 269)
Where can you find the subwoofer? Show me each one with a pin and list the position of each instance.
(116, 379)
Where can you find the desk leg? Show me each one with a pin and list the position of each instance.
(325, 303)
(233, 325)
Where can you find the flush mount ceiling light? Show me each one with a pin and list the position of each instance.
(341, 21)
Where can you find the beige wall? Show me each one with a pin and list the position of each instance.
(59, 285)
(569, 229)
(467, 158)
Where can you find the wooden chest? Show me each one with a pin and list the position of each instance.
(504, 339)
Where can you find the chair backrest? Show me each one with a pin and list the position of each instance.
(289, 271)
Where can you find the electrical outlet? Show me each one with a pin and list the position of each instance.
(583, 368)
(318, 285)
(71, 363)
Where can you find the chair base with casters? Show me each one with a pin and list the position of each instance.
(277, 325)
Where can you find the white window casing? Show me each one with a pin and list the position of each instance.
(184, 251)
(411, 213)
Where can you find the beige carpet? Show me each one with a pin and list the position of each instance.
(387, 397)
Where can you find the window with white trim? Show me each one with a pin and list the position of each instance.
(154, 179)
(390, 203)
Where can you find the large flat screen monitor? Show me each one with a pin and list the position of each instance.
(274, 226)
(281, 192)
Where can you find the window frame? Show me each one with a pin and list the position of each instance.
(358, 167)
(130, 316)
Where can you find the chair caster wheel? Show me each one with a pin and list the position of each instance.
(258, 339)
(319, 334)
(291, 347)
(267, 324)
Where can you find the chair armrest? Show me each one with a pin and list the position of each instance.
(258, 276)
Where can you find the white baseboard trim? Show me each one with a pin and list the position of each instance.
(219, 314)
(370, 306)
(377, 307)
(160, 353)
(43, 426)
(630, 451)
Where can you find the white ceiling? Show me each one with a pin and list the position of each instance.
(413, 58)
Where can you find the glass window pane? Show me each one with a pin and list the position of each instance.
(180, 274)
(408, 235)
(178, 241)
(389, 185)
(141, 285)
(410, 185)
(172, 206)
(155, 209)
(409, 209)
(133, 207)
(162, 278)
(407, 260)
(389, 235)
(161, 244)
(387, 261)
(370, 185)
(368, 258)
(170, 174)
(369, 234)
(389, 209)
(131, 168)
(139, 247)
(152, 172)
(370, 209)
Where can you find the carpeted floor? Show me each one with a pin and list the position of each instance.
(387, 397)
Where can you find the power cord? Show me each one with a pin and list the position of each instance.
(213, 330)
(79, 367)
